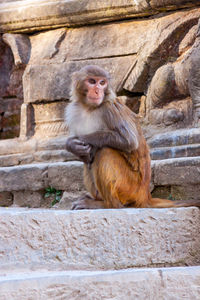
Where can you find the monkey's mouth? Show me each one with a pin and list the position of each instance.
(95, 100)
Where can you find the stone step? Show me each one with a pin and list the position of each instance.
(179, 143)
(39, 239)
(45, 156)
(19, 152)
(34, 177)
(68, 175)
(176, 171)
(161, 153)
(25, 185)
(175, 138)
(152, 284)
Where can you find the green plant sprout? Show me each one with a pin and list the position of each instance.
(51, 191)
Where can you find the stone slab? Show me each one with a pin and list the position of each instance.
(57, 77)
(22, 151)
(56, 54)
(177, 171)
(190, 150)
(28, 199)
(31, 177)
(11, 146)
(23, 16)
(175, 138)
(6, 199)
(37, 239)
(141, 284)
(34, 177)
(37, 157)
(67, 176)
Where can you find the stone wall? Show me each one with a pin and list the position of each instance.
(154, 61)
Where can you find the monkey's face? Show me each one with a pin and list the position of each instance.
(95, 88)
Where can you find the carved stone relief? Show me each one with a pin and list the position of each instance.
(153, 74)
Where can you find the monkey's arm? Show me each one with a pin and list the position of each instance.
(108, 138)
(121, 133)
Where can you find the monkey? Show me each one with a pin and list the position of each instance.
(106, 135)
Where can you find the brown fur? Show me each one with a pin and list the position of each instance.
(117, 170)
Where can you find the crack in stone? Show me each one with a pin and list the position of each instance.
(104, 57)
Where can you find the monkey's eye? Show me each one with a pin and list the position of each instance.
(102, 82)
(91, 80)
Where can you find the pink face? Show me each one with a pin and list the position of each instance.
(95, 89)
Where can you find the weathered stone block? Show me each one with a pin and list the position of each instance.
(175, 138)
(28, 198)
(6, 199)
(174, 3)
(66, 176)
(28, 177)
(49, 119)
(179, 171)
(42, 15)
(17, 146)
(185, 192)
(67, 200)
(98, 239)
(141, 284)
(57, 78)
(26, 121)
(175, 152)
(56, 143)
(53, 156)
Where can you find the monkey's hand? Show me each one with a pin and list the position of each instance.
(79, 148)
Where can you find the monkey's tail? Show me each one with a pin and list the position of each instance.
(164, 203)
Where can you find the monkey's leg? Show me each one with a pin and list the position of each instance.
(86, 201)
(118, 184)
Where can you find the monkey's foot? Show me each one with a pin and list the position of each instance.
(87, 202)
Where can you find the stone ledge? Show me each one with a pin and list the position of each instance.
(176, 171)
(64, 176)
(32, 145)
(67, 176)
(39, 239)
(29, 16)
(17, 151)
(175, 138)
(162, 283)
(46, 156)
(190, 150)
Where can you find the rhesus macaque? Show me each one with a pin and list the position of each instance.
(105, 134)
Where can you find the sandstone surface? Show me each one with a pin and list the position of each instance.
(33, 177)
(97, 239)
(23, 16)
(153, 284)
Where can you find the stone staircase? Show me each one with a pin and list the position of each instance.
(102, 254)
(174, 144)
(95, 254)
